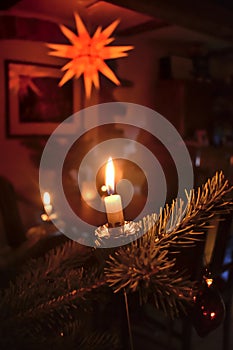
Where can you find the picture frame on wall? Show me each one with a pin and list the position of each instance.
(35, 104)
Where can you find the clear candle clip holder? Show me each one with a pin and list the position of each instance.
(129, 229)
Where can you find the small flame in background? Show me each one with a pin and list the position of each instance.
(46, 198)
(209, 281)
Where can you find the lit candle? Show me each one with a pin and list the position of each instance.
(47, 205)
(112, 202)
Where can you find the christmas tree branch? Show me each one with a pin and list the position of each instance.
(177, 225)
(62, 284)
(145, 264)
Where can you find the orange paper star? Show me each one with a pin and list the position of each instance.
(87, 54)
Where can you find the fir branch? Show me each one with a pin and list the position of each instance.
(70, 337)
(100, 341)
(178, 226)
(62, 285)
(142, 266)
(172, 292)
(45, 279)
(48, 293)
(43, 312)
(145, 266)
(136, 263)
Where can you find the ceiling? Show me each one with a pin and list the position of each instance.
(93, 11)
(133, 22)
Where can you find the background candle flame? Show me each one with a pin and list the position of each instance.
(46, 198)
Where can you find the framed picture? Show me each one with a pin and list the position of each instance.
(35, 104)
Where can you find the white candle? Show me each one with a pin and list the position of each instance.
(47, 205)
(114, 210)
(112, 202)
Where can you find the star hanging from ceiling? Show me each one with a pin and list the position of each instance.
(88, 54)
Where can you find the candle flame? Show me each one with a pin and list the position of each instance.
(46, 198)
(110, 176)
(212, 315)
(209, 281)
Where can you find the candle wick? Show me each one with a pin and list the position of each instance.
(110, 191)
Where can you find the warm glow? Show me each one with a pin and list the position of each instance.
(88, 190)
(103, 188)
(212, 315)
(44, 217)
(88, 54)
(46, 198)
(209, 281)
(110, 176)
